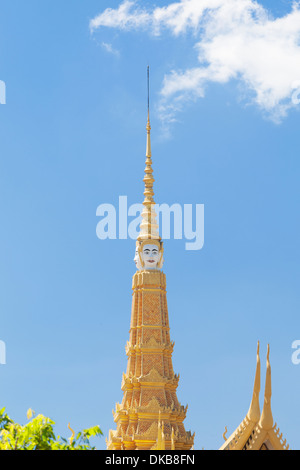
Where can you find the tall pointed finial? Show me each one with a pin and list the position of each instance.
(266, 420)
(254, 410)
(149, 226)
(148, 151)
(148, 84)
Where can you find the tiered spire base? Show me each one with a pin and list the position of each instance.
(150, 415)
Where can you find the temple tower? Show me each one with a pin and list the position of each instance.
(150, 415)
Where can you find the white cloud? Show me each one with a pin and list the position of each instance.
(123, 17)
(233, 39)
(110, 49)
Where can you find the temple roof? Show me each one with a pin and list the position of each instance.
(258, 431)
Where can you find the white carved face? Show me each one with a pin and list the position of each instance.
(151, 256)
(137, 260)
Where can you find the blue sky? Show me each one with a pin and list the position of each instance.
(73, 137)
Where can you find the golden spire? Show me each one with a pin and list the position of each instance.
(254, 410)
(266, 420)
(149, 226)
(148, 150)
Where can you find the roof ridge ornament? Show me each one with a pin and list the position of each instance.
(254, 410)
(266, 420)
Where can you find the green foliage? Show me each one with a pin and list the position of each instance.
(38, 434)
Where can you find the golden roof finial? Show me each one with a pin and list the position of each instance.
(149, 226)
(266, 420)
(254, 410)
